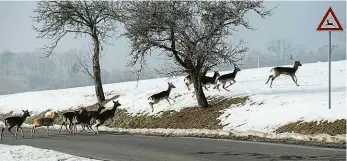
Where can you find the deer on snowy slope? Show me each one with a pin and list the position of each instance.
(223, 79)
(155, 98)
(277, 71)
(12, 121)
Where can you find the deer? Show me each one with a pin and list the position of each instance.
(44, 121)
(277, 71)
(329, 23)
(107, 114)
(223, 79)
(188, 79)
(12, 121)
(155, 98)
(68, 118)
(205, 80)
(84, 119)
(93, 114)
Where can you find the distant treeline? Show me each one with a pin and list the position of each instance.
(21, 72)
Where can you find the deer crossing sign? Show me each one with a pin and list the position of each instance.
(329, 23)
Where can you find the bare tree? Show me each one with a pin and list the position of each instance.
(193, 34)
(83, 18)
(282, 49)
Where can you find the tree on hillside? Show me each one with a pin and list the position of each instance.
(82, 18)
(193, 34)
(282, 48)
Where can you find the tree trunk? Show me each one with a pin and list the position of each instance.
(97, 72)
(199, 93)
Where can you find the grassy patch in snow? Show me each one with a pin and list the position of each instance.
(315, 127)
(188, 118)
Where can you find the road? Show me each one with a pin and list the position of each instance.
(147, 148)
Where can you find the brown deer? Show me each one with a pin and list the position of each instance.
(223, 79)
(12, 121)
(107, 114)
(45, 121)
(277, 71)
(155, 98)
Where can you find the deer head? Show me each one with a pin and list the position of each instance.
(171, 85)
(297, 63)
(26, 113)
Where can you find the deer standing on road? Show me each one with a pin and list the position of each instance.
(277, 71)
(155, 98)
(68, 118)
(107, 114)
(223, 79)
(45, 121)
(12, 121)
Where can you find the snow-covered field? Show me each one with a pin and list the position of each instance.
(267, 109)
(29, 153)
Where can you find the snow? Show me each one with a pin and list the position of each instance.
(267, 109)
(29, 153)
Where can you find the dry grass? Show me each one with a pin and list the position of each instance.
(191, 117)
(315, 127)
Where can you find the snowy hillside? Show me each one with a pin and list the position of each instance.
(267, 109)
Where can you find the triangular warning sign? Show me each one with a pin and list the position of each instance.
(330, 22)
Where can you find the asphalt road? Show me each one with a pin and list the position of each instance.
(147, 148)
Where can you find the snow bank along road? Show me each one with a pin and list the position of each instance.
(141, 148)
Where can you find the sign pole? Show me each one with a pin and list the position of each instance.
(329, 69)
(332, 24)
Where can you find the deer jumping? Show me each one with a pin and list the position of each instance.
(12, 121)
(155, 98)
(45, 121)
(107, 114)
(223, 79)
(277, 71)
(188, 79)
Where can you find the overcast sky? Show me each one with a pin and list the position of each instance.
(295, 21)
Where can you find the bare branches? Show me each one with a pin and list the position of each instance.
(55, 19)
(86, 64)
(192, 34)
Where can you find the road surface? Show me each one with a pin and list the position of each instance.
(147, 148)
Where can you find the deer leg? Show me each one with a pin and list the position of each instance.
(97, 126)
(172, 99)
(21, 131)
(15, 135)
(2, 131)
(47, 130)
(151, 104)
(9, 129)
(273, 78)
(62, 124)
(53, 128)
(168, 100)
(188, 86)
(33, 131)
(270, 76)
(294, 80)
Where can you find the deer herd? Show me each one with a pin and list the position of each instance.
(87, 119)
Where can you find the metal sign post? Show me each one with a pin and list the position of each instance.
(329, 69)
(330, 26)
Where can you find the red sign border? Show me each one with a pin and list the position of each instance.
(330, 10)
